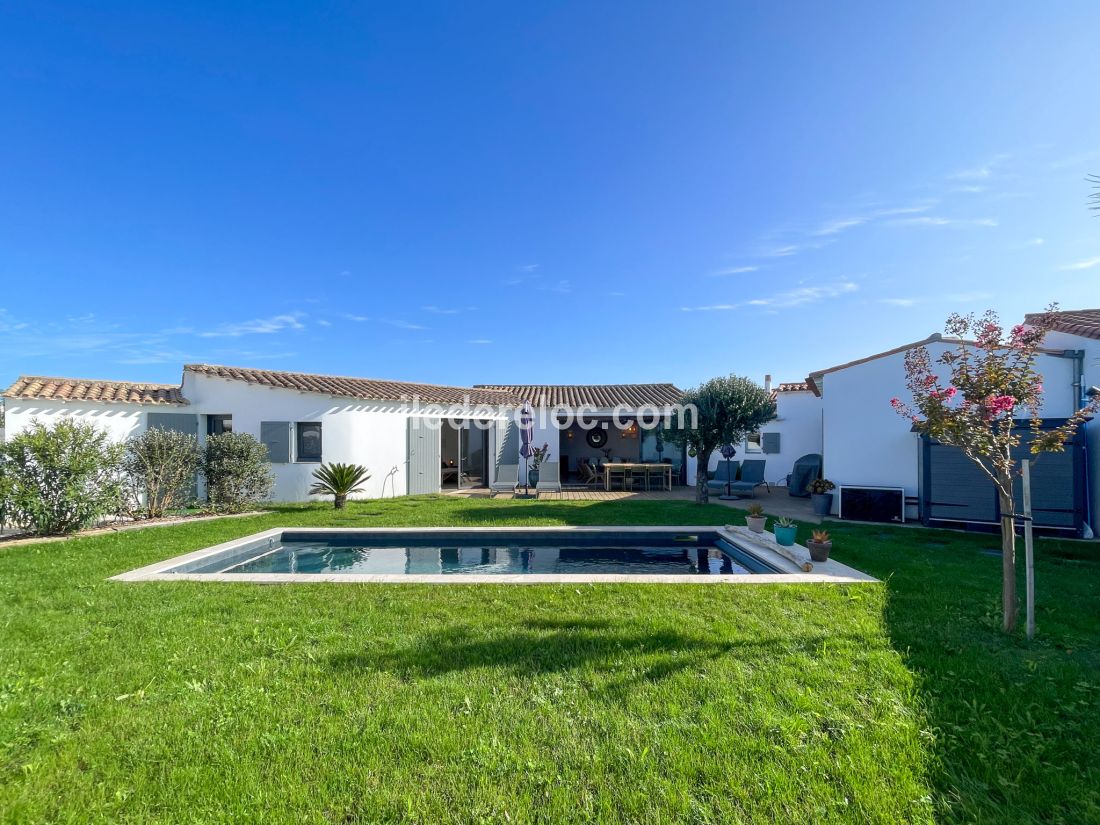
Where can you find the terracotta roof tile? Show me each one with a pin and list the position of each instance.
(1083, 322)
(593, 395)
(86, 389)
(365, 388)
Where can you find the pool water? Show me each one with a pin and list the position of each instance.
(483, 553)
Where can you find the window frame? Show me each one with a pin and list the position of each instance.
(298, 432)
(759, 443)
(211, 420)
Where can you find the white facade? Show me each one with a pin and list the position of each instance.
(120, 421)
(866, 443)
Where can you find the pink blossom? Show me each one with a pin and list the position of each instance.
(950, 393)
(998, 404)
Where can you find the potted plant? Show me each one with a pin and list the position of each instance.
(820, 545)
(756, 518)
(821, 496)
(785, 531)
(538, 455)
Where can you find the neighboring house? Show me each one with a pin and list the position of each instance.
(414, 438)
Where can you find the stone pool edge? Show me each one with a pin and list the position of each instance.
(827, 572)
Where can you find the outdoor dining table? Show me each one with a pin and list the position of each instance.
(644, 467)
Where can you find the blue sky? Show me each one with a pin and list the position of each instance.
(566, 192)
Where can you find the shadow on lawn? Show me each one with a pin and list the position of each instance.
(1013, 724)
(539, 646)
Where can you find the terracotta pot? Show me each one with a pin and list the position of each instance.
(819, 551)
(756, 523)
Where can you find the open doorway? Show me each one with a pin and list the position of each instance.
(464, 453)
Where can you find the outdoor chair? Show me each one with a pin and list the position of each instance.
(506, 481)
(752, 476)
(590, 476)
(616, 473)
(549, 478)
(656, 474)
(718, 483)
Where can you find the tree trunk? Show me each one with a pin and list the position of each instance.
(340, 501)
(702, 491)
(1008, 563)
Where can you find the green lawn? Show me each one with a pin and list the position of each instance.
(195, 702)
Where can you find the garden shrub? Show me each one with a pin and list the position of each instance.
(160, 467)
(61, 479)
(237, 472)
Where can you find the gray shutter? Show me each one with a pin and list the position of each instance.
(275, 435)
(507, 437)
(173, 422)
(424, 457)
(770, 443)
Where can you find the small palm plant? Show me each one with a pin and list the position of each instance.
(339, 481)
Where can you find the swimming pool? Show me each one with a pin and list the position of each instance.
(502, 555)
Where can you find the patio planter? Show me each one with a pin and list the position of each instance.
(785, 535)
(533, 476)
(819, 550)
(822, 503)
(756, 523)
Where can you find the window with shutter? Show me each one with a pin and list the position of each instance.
(309, 441)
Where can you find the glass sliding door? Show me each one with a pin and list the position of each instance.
(473, 455)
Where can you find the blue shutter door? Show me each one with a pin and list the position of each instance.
(173, 422)
(770, 443)
(424, 454)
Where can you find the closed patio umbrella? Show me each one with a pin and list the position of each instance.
(527, 437)
(728, 452)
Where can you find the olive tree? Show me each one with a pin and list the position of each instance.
(721, 411)
(972, 400)
(59, 479)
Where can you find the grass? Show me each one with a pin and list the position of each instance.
(194, 702)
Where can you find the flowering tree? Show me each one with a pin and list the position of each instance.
(992, 379)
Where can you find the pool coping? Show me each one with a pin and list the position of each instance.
(758, 544)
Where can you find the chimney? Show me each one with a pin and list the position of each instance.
(767, 383)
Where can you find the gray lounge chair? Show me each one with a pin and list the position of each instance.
(752, 476)
(718, 483)
(507, 479)
(549, 478)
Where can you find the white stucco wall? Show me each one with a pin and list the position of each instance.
(120, 421)
(360, 432)
(866, 443)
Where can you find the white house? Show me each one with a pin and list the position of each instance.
(414, 438)
(865, 443)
